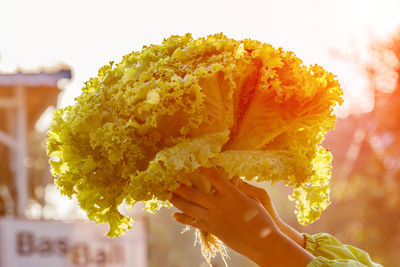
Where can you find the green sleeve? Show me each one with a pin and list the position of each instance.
(330, 252)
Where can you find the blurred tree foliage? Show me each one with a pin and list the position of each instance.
(384, 76)
(365, 209)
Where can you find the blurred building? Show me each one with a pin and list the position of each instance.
(37, 240)
(23, 99)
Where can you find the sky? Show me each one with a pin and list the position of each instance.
(86, 34)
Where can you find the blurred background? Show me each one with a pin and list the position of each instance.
(48, 49)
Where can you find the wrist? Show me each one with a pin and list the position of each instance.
(291, 233)
(269, 247)
(276, 251)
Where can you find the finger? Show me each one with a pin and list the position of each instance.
(255, 192)
(216, 179)
(189, 208)
(261, 195)
(235, 180)
(191, 221)
(194, 195)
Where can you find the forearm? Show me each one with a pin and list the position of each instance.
(290, 232)
(279, 250)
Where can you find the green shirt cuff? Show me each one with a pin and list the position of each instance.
(318, 262)
(331, 252)
(311, 244)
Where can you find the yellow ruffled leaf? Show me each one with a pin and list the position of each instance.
(145, 125)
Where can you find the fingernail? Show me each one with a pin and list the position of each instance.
(177, 216)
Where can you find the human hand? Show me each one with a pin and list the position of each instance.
(240, 221)
(263, 197)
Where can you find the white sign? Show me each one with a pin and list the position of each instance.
(69, 244)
